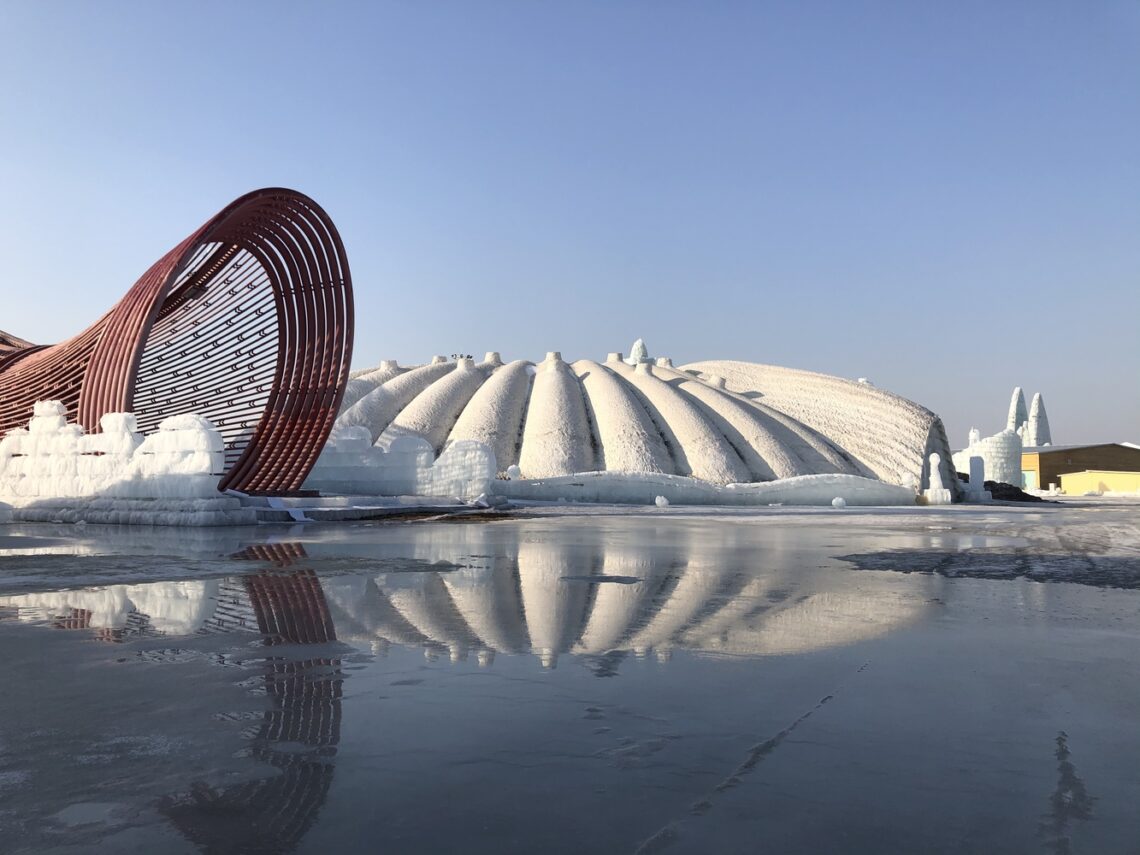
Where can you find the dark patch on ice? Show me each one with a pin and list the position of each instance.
(1069, 801)
(590, 580)
(24, 541)
(1101, 571)
(408, 682)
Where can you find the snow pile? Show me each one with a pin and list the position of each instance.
(643, 489)
(54, 470)
(351, 464)
(1000, 454)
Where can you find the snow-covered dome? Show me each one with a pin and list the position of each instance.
(721, 422)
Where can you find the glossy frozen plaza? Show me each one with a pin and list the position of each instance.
(578, 680)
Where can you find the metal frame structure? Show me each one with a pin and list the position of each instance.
(248, 321)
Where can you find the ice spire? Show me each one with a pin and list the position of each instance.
(640, 353)
(1017, 414)
(1038, 423)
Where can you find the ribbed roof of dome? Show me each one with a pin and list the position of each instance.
(555, 418)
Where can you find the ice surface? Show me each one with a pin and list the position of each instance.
(683, 671)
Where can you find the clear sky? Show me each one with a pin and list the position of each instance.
(944, 198)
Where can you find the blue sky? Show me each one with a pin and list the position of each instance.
(944, 198)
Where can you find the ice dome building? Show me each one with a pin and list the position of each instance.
(689, 428)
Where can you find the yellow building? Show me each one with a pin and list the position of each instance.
(1099, 481)
(1044, 465)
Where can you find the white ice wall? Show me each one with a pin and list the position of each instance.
(351, 464)
(53, 459)
(1000, 453)
(54, 470)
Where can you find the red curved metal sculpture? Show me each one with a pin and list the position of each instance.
(248, 321)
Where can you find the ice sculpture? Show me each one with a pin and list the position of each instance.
(938, 493)
(1017, 414)
(1000, 455)
(1038, 433)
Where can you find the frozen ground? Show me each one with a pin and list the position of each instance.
(578, 680)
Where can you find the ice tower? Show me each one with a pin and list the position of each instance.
(1038, 433)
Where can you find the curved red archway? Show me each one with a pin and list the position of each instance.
(248, 321)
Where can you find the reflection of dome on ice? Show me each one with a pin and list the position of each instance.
(577, 590)
(721, 422)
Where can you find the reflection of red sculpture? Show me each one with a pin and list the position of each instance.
(248, 322)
